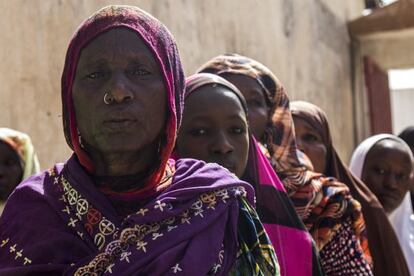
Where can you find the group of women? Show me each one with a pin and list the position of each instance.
(201, 175)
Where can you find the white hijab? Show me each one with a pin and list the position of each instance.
(402, 218)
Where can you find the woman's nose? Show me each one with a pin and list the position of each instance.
(392, 181)
(120, 89)
(221, 144)
(300, 145)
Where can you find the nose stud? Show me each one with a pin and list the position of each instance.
(108, 99)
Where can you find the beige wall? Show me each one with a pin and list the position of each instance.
(304, 42)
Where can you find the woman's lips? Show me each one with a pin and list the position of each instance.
(119, 124)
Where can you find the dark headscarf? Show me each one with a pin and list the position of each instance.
(324, 204)
(386, 252)
(408, 136)
(161, 43)
(294, 247)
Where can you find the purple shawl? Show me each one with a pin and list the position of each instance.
(68, 226)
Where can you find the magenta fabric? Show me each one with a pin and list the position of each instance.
(293, 244)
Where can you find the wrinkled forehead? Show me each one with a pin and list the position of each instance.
(119, 42)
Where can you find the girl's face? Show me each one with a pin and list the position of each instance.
(214, 129)
(387, 171)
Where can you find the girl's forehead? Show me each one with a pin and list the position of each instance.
(390, 146)
(390, 152)
(210, 99)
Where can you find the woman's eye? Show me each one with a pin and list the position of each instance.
(401, 177)
(140, 72)
(237, 130)
(95, 75)
(310, 137)
(380, 171)
(198, 132)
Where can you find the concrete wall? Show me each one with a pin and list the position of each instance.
(305, 43)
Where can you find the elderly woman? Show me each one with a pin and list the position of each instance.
(385, 163)
(330, 214)
(18, 161)
(215, 129)
(314, 139)
(119, 205)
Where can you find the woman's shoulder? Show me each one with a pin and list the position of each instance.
(36, 186)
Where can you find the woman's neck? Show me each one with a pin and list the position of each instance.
(124, 163)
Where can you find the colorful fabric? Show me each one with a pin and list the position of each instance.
(384, 247)
(256, 254)
(323, 203)
(162, 45)
(69, 227)
(294, 247)
(402, 218)
(22, 144)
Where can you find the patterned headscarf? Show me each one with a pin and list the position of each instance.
(161, 43)
(324, 204)
(22, 145)
(386, 252)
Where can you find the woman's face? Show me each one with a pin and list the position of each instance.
(387, 170)
(256, 103)
(214, 129)
(11, 171)
(310, 142)
(119, 63)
